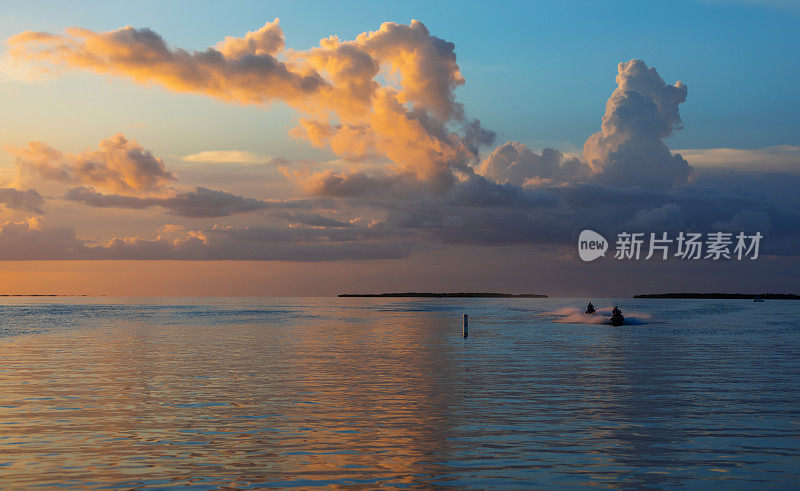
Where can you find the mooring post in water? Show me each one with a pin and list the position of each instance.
(466, 326)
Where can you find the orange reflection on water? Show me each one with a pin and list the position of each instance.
(303, 392)
(151, 403)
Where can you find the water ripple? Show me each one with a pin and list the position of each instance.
(203, 394)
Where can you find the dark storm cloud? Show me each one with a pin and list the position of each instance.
(34, 239)
(28, 200)
(199, 203)
(744, 201)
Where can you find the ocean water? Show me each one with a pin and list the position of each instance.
(207, 393)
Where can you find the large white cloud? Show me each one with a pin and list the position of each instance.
(629, 150)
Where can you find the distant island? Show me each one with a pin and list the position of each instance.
(718, 296)
(445, 295)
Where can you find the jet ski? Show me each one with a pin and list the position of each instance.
(590, 311)
(617, 318)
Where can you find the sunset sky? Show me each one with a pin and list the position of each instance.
(306, 148)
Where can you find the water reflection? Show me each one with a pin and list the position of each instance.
(326, 392)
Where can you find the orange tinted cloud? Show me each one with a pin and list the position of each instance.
(340, 86)
(118, 164)
(136, 178)
(142, 55)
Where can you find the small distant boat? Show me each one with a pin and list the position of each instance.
(758, 299)
(617, 319)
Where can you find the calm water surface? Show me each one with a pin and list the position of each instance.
(366, 392)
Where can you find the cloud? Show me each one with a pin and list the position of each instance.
(118, 164)
(514, 163)
(477, 191)
(139, 178)
(226, 157)
(665, 218)
(746, 221)
(29, 200)
(198, 203)
(89, 197)
(204, 202)
(384, 103)
(388, 93)
(267, 41)
(481, 212)
(629, 150)
(317, 220)
(243, 71)
(782, 158)
(361, 185)
(33, 239)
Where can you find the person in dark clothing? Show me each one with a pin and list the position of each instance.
(590, 308)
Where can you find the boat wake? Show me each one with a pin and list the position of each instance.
(571, 315)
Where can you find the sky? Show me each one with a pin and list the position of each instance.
(302, 148)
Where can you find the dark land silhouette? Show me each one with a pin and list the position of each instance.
(445, 295)
(732, 296)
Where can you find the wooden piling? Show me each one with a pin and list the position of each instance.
(466, 326)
